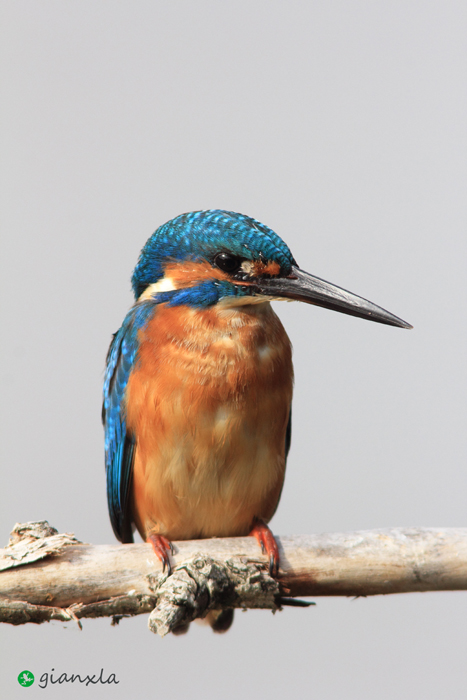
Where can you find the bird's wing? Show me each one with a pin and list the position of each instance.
(119, 442)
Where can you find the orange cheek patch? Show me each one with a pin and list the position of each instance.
(189, 273)
(270, 268)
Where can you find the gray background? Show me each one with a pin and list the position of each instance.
(342, 126)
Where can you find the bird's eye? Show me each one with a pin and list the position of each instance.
(227, 262)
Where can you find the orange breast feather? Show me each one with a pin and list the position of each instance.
(208, 404)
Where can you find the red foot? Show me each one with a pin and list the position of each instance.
(268, 545)
(161, 546)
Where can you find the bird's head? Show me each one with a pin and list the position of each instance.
(214, 257)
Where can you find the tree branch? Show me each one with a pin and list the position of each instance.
(45, 578)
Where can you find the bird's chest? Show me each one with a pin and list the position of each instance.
(200, 365)
(209, 403)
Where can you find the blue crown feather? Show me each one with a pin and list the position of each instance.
(200, 235)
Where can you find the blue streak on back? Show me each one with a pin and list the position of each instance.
(200, 235)
(119, 443)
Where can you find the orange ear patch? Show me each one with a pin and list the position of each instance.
(189, 273)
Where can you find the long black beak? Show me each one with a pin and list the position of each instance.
(301, 286)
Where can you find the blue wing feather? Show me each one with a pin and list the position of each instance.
(119, 442)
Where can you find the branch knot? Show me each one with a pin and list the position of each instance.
(202, 584)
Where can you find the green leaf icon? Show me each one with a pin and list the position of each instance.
(26, 678)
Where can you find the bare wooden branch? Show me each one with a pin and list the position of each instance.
(81, 580)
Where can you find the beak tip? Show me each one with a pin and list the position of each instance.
(398, 322)
(393, 321)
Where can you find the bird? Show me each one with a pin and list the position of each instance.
(198, 384)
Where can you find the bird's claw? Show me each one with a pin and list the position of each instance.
(162, 546)
(268, 545)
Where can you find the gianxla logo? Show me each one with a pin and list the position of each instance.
(26, 678)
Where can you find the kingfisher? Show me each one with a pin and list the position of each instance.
(198, 384)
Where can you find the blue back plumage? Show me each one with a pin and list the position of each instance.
(200, 235)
